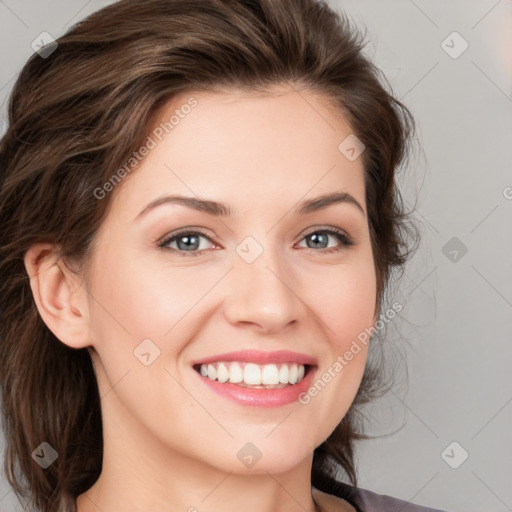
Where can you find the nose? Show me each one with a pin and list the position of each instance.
(263, 295)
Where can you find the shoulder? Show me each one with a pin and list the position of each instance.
(367, 501)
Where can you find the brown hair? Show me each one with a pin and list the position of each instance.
(79, 114)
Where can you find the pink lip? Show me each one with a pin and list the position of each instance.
(258, 357)
(276, 397)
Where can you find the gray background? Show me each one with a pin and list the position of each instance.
(455, 330)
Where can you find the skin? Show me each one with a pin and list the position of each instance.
(170, 443)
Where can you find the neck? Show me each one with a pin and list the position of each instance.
(141, 473)
(199, 492)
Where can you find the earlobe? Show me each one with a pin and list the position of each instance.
(58, 294)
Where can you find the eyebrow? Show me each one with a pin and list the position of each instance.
(221, 210)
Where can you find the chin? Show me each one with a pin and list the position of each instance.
(256, 456)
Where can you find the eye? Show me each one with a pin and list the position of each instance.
(188, 242)
(320, 238)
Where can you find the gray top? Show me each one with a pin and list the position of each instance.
(367, 501)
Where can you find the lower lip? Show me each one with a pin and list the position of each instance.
(255, 397)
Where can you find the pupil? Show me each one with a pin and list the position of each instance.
(188, 241)
(315, 238)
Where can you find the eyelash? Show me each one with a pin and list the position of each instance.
(345, 240)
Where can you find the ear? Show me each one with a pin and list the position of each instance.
(59, 294)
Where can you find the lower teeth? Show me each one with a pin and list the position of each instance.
(262, 386)
(255, 386)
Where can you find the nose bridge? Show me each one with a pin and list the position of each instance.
(262, 287)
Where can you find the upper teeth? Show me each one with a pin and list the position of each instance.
(254, 374)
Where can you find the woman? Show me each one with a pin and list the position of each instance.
(199, 223)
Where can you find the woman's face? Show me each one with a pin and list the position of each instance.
(265, 278)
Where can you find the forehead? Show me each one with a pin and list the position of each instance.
(246, 147)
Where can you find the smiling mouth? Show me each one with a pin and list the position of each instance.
(256, 376)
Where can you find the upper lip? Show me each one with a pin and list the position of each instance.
(257, 356)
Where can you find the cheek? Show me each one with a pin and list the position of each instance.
(145, 297)
(344, 300)
(344, 303)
